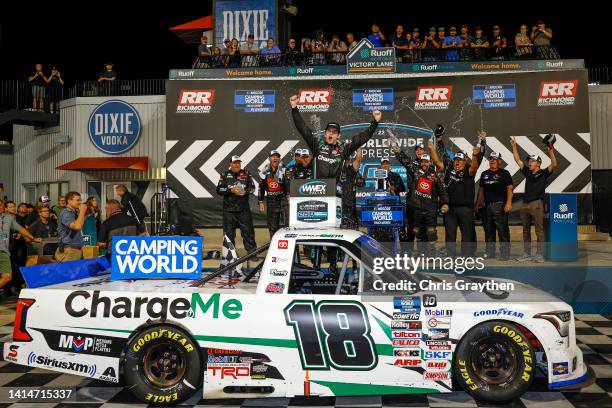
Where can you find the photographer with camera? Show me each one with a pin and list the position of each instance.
(532, 208)
(55, 83)
(236, 185)
(38, 80)
(337, 49)
(69, 226)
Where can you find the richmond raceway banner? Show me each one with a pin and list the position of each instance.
(208, 121)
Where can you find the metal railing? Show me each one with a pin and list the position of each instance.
(17, 94)
(600, 75)
(134, 87)
(415, 55)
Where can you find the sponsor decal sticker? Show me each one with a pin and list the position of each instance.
(405, 343)
(437, 365)
(406, 334)
(283, 244)
(406, 362)
(437, 355)
(312, 211)
(407, 303)
(276, 287)
(439, 323)
(438, 313)
(438, 334)
(561, 368)
(406, 352)
(436, 376)
(276, 272)
(13, 352)
(82, 303)
(406, 316)
(437, 345)
(402, 324)
(46, 361)
(499, 312)
(430, 301)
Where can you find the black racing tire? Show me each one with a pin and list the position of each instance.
(163, 365)
(494, 362)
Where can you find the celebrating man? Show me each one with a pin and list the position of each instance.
(532, 208)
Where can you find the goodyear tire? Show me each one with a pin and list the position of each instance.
(162, 365)
(494, 362)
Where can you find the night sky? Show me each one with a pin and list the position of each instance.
(138, 41)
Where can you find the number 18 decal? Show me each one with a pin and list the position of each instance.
(332, 333)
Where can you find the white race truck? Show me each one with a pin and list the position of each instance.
(299, 331)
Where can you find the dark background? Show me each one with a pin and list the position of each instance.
(80, 37)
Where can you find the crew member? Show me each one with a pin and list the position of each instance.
(412, 166)
(395, 186)
(302, 168)
(459, 182)
(532, 207)
(495, 191)
(426, 193)
(117, 223)
(329, 153)
(272, 188)
(351, 179)
(236, 185)
(132, 206)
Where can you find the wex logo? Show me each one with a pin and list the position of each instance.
(77, 343)
(315, 187)
(557, 93)
(314, 100)
(563, 215)
(195, 101)
(156, 257)
(433, 97)
(114, 127)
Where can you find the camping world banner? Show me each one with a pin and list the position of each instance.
(208, 121)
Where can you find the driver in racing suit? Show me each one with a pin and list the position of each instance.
(330, 154)
(272, 189)
(427, 191)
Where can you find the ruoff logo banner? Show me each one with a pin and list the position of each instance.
(156, 257)
(366, 59)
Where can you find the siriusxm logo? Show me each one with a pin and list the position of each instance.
(51, 362)
(314, 187)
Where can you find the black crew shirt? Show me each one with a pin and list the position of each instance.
(495, 185)
(535, 184)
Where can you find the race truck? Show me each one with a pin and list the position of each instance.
(292, 328)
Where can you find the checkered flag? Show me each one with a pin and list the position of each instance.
(229, 255)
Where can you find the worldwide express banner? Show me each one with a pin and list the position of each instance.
(208, 121)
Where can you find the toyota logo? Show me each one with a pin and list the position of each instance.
(273, 184)
(424, 185)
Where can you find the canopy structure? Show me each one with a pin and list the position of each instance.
(191, 31)
(107, 163)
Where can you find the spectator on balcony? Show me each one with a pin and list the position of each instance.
(376, 37)
(452, 44)
(466, 40)
(233, 54)
(399, 41)
(319, 47)
(541, 36)
(38, 80)
(414, 45)
(498, 43)
(350, 40)
(226, 44)
(430, 45)
(249, 51)
(271, 53)
(59, 207)
(55, 85)
(107, 79)
(524, 47)
(292, 54)
(204, 48)
(216, 60)
(478, 44)
(337, 49)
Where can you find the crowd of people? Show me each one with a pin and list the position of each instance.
(47, 88)
(436, 44)
(61, 231)
(439, 182)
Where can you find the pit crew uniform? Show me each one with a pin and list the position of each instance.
(461, 191)
(236, 210)
(386, 234)
(272, 188)
(495, 185)
(426, 193)
(351, 179)
(412, 166)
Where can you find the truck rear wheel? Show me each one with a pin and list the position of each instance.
(163, 365)
(495, 362)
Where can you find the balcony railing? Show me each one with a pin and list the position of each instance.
(338, 58)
